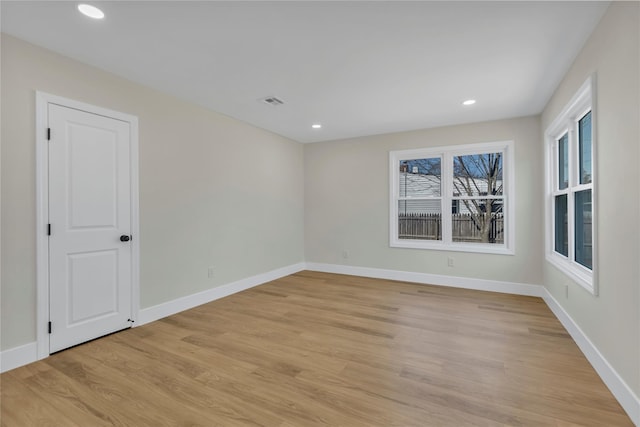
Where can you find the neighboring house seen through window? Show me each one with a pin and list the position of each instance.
(453, 198)
(570, 187)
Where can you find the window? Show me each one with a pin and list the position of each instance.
(570, 189)
(453, 198)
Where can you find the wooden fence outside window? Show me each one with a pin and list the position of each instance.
(464, 227)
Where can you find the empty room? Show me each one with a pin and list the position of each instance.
(337, 213)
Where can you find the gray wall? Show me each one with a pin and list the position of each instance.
(213, 191)
(347, 197)
(612, 319)
(347, 203)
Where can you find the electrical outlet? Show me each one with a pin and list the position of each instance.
(450, 261)
(210, 272)
(345, 254)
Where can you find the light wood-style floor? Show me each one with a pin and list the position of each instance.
(322, 349)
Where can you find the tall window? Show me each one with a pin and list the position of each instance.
(570, 188)
(453, 198)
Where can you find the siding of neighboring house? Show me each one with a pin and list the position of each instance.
(420, 186)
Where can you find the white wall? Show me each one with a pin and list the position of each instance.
(612, 319)
(347, 203)
(213, 191)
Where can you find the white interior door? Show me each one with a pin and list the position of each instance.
(90, 258)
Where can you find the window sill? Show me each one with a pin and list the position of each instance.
(578, 274)
(453, 247)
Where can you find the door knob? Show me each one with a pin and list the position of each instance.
(125, 238)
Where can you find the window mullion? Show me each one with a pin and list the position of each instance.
(394, 193)
(573, 180)
(573, 155)
(582, 187)
(555, 180)
(571, 225)
(447, 192)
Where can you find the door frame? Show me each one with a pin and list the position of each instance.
(42, 209)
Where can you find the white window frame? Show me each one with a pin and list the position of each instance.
(447, 155)
(567, 122)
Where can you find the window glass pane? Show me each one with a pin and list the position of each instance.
(420, 178)
(419, 219)
(478, 221)
(583, 224)
(561, 227)
(584, 142)
(563, 162)
(478, 174)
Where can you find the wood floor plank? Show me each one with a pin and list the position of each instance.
(23, 406)
(318, 349)
(172, 396)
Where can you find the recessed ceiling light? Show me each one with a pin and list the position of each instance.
(90, 11)
(469, 102)
(316, 126)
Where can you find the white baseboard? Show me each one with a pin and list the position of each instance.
(159, 311)
(18, 356)
(28, 353)
(22, 355)
(621, 391)
(431, 279)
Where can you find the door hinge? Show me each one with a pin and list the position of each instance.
(49, 327)
(48, 134)
(48, 229)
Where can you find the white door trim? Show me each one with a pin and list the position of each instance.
(42, 212)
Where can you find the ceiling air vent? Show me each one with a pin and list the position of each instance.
(272, 100)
